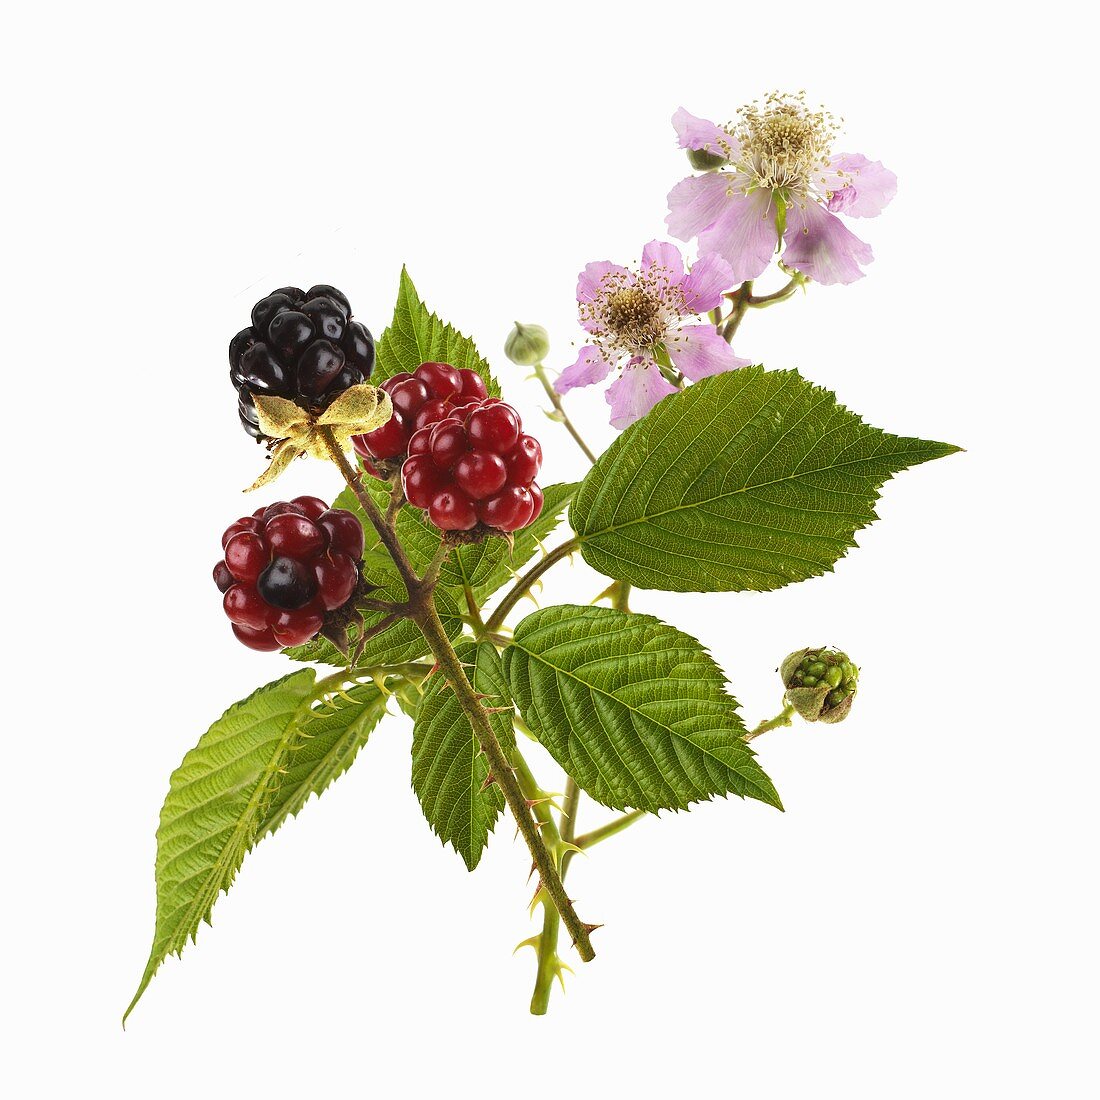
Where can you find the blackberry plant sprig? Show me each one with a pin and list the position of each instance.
(726, 477)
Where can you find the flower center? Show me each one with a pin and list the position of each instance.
(635, 316)
(783, 142)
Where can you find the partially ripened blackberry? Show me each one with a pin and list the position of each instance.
(289, 570)
(302, 345)
(463, 455)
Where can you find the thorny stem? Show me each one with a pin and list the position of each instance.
(523, 585)
(549, 962)
(562, 415)
(423, 612)
(386, 533)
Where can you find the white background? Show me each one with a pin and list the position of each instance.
(920, 922)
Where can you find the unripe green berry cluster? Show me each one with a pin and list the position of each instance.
(821, 683)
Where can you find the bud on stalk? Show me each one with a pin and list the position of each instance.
(527, 345)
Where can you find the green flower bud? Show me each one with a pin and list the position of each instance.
(821, 683)
(527, 344)
(702, 161)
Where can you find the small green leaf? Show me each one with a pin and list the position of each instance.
(748, 480)
(634, 710)
(486, 566)
(217, 800)
(416, 335)
(395, 645)
(448, 768)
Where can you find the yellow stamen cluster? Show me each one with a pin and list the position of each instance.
(631, 313)
(634, 316)
(783, 142)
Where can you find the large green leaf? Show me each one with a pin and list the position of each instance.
(217, 800)
(634, 710)
(416, 335)
(748, 480)
(331, 739)
(448, 768)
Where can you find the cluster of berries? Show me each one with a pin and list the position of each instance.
(464, 456)
(285, 568)
(821, 683)
(301, 345)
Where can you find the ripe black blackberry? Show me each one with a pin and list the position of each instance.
(301, 345)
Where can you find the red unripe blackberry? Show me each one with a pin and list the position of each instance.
(301, 345)
(285, 568)
(464, 457)
(431, 394)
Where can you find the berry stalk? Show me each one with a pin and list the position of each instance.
(523, 585)
(561, 414)
(422, 611)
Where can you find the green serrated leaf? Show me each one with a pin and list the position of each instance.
(416, 335)
(633, 709)
(448, 768)
(748, 480)
(330, 741)
(486, 566)
(218, 799)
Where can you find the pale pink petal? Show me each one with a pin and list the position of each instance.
(665, 255)
(588, 282)
(820, 245)
(744, 235)
(858, 187)
(698, 202)
(705, 283)
(698, 351)
(635, 392)
(698, 133)
(589, 369)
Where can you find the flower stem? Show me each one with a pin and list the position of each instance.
(562, 415)
(780, 295)
(423, 612)
(740, 299)
(783, 718)
(523, 585)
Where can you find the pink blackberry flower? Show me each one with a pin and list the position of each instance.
(778, 186)
(639, 322)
